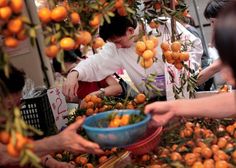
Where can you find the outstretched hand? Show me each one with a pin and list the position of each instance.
(161, 113)
(72, 141)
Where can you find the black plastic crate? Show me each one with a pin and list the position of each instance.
(37, 112)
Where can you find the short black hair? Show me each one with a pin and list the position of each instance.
(225, 36)
(14, 82)
(117, 27)
(214, 7)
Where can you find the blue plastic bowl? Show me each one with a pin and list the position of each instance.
(115, 137)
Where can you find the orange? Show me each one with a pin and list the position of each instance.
(190, 158)
(214, 148)
(175, 55)
(184, 56)
(222, 142)
(98, 42)
(90, 104)
(20, 142)
(206, 152)
(87, 98)
(119, 105)
(81, 160)
(124, 120)
(15, 25)
(103, 159)
(167, 55)
(3, 3)
(140, 98)
(21, 35)
(119, 3)
(115, 123)
(175, 156)
(146, 63)
(16, 5)
(67, 43)
(165, 46)
(157, 5)
(51, 51)
(145, 158)
(150, 44)
(153, 25)
(96, 20)
(11, 42)
(148, 54)
(59, 13)
(176, 46)
(155, 166)
(94, 98)
(44, 15)
(140, 46)
(198, 165)
(230, 129)
(221, 164)
(208, 163)
(4, 137)
(220, 155)
(75, 18)
(5, 13)
(89, 165)
(122, 11)
(84, 37)
(89, 111)
(155, 40)
(11, 150)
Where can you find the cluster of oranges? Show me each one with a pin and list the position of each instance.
(60, 14)
(201, 147)
(173, 54)
(14, 145)
(11, 22)
(146, 49)
(118, 121)
(94, 104)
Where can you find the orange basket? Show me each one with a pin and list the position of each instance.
(148, 143)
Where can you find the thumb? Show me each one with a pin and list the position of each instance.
(76, 124)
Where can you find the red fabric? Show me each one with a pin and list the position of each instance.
(87, 87)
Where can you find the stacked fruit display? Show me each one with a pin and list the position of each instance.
(173, 54)
(146, 50)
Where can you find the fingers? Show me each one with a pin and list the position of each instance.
(150, 108)
(76, 124)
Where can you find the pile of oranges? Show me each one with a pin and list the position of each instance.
(173, 54)
(12, 24)
(119, 121)
(146, 49)
(14, 144)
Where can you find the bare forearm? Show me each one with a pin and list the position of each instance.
(47, 145)
(219, 106)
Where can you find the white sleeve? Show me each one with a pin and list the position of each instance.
(196, 50)
(98, 66)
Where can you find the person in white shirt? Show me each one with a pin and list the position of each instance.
(119, 52)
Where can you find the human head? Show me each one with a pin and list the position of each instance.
(213, 9)
(11, 87)
(119, 31)
(225, 40)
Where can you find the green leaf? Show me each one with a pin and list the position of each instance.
(108, 20)
(57, 27)
(32, 32)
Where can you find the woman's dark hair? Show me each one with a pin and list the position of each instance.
(225, 36)
(117, 27)
(214, 7)
(14, 82)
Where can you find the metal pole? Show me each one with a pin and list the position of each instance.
(201, 28)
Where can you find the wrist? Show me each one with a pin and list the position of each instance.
(74, 74)
(101, 92)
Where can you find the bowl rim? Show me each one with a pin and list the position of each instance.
(145, 120)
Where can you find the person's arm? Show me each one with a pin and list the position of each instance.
(209, 72)
(94, 68)
(219, 106)
(5, 159)
(113, 88)
(68, 140)
(49, 162)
